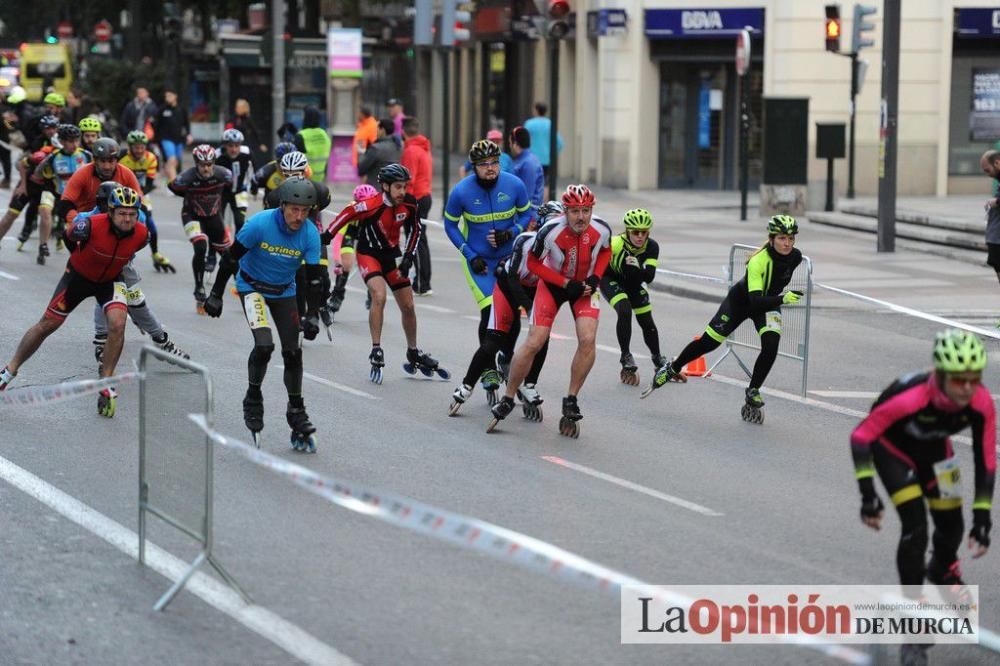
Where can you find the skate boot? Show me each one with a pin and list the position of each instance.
(107, 400)
(210, 261)
(303, 432)
(22, 239)
(948, 578)
(337, 295)
(162, 265)
(503, 365)
(6, 377)
(199, 300)
(630, 371)
(167, 345)
(568, 424)
(377, 359)
(253, 413)
(100, 339)
(490, 380)
(501, 410)
(751, 410)
(665, 374)
(913, 654)
(458, 398)
(426, 364)
(43, 252)
(660, 360)
(531, 402)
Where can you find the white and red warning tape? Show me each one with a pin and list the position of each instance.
(35, 395)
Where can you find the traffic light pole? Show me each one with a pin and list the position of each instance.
(554, 110)
(850, 156)
(744, 143)
(887, 129)
(446, 126)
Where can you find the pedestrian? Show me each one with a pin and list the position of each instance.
(314, 141)
(526, 165)
(381, 154)
(137, 113)
(417, 158)
(540, 128)
(365, 134)
(990, 163)
(394, 107)
(506, 162)
(172, 132)
(243, 121)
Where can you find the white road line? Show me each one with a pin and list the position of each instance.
(8, 276)
(845, 394)
(435, 308)
(335, 385)
(683, 503)
(270, 626)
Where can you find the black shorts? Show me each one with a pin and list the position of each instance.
(615, 291)
(908, 472)
(211, 229)
(73, 289)
(267, 314)
(730, 315)
(993, 255)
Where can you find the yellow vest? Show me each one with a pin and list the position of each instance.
(317, 143)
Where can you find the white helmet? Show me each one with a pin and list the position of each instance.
(232, 135)
(293, 163)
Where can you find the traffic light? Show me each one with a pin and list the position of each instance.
(833, 28)
(558, 26)
(454, 22)
(859, 39)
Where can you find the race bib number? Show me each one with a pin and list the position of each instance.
(772, 320)
(193, 229)
(47, 200)
(256, 310)
(949, 478)
(121, 294)
(134, 297)
(595, 300)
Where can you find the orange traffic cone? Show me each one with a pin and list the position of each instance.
(696, 368)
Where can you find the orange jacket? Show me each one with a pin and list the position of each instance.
(365, 134)
(417, 158)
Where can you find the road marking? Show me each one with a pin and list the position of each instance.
(267, 624)
(845, 394)
(9, 276)
(435, 308)
(335, 385)
(683, 503)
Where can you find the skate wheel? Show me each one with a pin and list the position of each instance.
(442, 373)
(630, 378)
(376, 375)
(453, 410)
(491, 397)
(255, 436)
(532, 412)
(409, 369)
(569, 428)
(493, 424)
(745, 412)
(426, 372)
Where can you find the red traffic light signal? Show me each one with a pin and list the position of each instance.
(832, 28)
(558, 9)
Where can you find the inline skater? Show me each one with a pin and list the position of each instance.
(485, 212)
(265, 257)
(269, 177)
(52, 174)
(515, 289)
(100, 247)
(206, 189)
(145, 166)
(569, 256)
(233, 155)
(634, 257)
(758, 297)
(27, 194)
(343, 250)
(905, 439)
(379, 220)
(80, 193)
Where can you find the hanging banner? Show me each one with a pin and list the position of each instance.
(343, 49)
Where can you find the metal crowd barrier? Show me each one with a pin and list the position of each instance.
(794, 318)
(176, 457)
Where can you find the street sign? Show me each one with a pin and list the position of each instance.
(742, 52)
(64, 30)
(102, 31)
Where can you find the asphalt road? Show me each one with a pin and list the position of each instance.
(380, 595)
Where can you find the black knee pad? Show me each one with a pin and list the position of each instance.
(261, 354)
(200, 246)
(292, 357)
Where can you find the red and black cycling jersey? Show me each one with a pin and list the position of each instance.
(99, 250)
(240, 166)
(560, 254)
(379, 225)
(203, 197)
(517, 263)
(913, 413)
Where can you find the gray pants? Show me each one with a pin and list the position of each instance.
(140, 313)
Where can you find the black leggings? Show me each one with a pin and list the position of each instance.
(769, 341)
(485, 357)
(282, 314)
(624, 329)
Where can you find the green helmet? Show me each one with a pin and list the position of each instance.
(16, 95)
(90, 124)
(956, 350)
(782, 224)
(55, 99)
(136, 136)
(638, 219)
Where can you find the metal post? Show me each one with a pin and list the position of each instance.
(446, 128)
(744, 143)
(277, 66)
(887, 132)
(829, 184)
(554, 111)
(850, 157)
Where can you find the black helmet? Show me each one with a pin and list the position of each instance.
(68, 131)
(393, 173)
(104, 193)
(483, 150)
(104, 148)
(48, 122)
(298, 190)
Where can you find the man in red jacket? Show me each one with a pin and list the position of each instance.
(417, 158)
(100, 246)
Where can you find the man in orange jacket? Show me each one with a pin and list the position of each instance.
(417, 158)
(365, 134)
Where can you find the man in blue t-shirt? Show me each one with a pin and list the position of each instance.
(540, 128)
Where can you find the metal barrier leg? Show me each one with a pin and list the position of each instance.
(181, 582)
(229, 579)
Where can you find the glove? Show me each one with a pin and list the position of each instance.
(574, 289)
(632, 260)
(478, 266)
(593, 282)
(791, 297)
(326, 238)
(213, 305)
(405, 264)
(310, 327)
(981, 525)
(501, 237)
(871, 507)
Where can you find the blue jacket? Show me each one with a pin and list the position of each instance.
(275, 252)
(472, 212)
(529, 170)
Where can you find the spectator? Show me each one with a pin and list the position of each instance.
(382, 153)
(506, 164)
(314, 141)
(244, 123)
(172, 133)
(990, 163)
(365, 134)
(417, 158)
(395, 109)
(137, 113)
(540, 129)
(526, 166)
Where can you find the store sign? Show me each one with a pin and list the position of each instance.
(703, 23)
(984, 118)
(977, 22)
(603, 22)
(343, 49)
